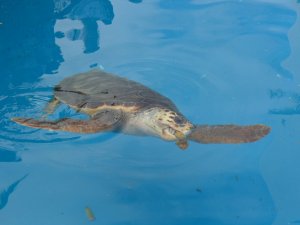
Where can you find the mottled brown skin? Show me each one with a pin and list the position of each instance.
(118, 104)
(104, 121)
(229, 134)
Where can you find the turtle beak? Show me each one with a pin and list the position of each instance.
(181, 142)
(168, 133)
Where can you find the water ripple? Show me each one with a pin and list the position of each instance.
(28, 104)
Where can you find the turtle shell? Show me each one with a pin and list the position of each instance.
(96, 90)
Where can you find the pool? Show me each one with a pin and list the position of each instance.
(220, 62)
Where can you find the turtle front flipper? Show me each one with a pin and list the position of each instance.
(228, 134)
(103, 121)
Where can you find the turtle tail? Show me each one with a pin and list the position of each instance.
(228, 134)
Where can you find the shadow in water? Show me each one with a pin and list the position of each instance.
(4, 195)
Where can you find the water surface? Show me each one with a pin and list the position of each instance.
(219, 61)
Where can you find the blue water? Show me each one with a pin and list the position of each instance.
(219, 61)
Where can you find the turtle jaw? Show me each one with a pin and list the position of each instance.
(175, 132)
(168, 133)
(175, 135)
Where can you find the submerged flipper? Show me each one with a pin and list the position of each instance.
(106, 120)
(51, 106)
(228, 134)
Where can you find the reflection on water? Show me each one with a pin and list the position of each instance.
(29, 48)
(225, 54)
(88, 12)
(255, 22)
(31, 51)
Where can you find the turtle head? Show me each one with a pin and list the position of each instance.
(169, 125)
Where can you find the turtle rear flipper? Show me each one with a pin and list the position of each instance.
(106, 120)
(228, 134)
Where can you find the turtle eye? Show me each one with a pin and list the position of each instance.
(178, 120)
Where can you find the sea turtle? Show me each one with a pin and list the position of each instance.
(117, 104)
